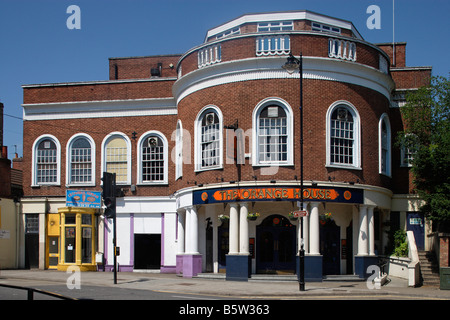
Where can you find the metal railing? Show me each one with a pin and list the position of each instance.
(31, 291)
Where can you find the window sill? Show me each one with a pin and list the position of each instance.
(159, 183)
(273, 164)
(45, 185)
(208, 169)
(335, 166)
(80, 185)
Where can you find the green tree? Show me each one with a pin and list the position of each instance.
(427, 136)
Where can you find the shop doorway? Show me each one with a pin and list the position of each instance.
(223, 244)
(330, 247)
(31, 241)
(275, 245)
(147, 251)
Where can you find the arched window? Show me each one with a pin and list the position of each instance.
(384, 128)
(152, 158)
(81, 160)
(272, 125)
(46, 161)
(116, 156)
(343, 146)
(209, 139)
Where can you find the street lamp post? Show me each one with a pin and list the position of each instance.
(290, 66)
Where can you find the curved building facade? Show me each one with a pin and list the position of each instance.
(207, 151)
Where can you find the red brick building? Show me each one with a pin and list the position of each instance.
(200, 140)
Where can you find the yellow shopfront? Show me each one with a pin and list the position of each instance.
(71, 239)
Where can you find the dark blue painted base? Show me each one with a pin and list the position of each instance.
(362, 263)
(313, 268)
(238, 268)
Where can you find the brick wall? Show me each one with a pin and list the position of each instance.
(98, 129)
(90, 91)
(140, 67)
(318, 96)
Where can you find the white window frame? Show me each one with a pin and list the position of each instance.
(356, 136)
(271, 26)
(146, 135)
(388, 165)
(198, 131)
(315, 26)
(255, 132)
(128, 144)
(229, 32)
(34, 161)
(406, 153)
(69, 163)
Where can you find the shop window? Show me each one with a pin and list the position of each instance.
(70, 238)
(153, 158)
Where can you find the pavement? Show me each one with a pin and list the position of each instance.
(258, 287)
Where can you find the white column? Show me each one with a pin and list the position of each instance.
(234, 230)
(187, 231)
(371, 224)
(194, 230)
(181, 235)
(355, 233)
(243, 229)
(314, 237)
(215, 221)
(362, 237)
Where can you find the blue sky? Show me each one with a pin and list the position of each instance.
(37, 47)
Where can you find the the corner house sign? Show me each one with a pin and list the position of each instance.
(345, 195)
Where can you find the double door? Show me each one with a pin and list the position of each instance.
(276, 248)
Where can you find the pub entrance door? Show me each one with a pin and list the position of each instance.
(275, 245)
(330, 247)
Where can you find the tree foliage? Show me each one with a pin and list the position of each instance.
(427, 135)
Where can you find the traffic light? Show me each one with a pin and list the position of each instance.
(109, 194)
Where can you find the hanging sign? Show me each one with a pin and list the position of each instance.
(300, 213)
(83, 199)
